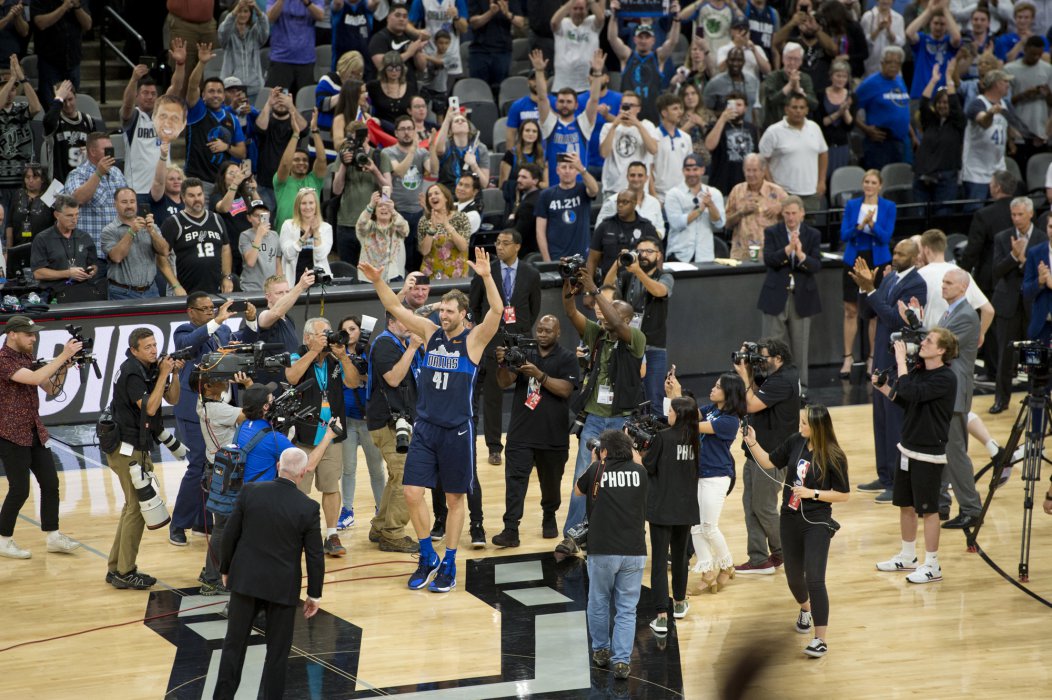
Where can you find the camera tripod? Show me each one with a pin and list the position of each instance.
(1033, 424)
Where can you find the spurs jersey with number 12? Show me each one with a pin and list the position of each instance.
(446, 381)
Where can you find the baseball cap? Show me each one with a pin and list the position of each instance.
(232, 82)
(258, 204)
(739, 23)
(644, 29)
(693, 159)
(22, 324)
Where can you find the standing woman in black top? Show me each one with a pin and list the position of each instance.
(819, 478)
(672, 506)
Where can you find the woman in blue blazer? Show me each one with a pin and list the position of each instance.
(866, 230)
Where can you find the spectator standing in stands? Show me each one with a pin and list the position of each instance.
(564, 128)
(241, 35)
(576, 34)
(18, 135)
(522, 110)
(818, 49)
(382, 233)
(986, 135)
(132, 243)
(389, 94)
(836, 114)
(64, 255)
(764, 21)
(647, 205)
(756, 62)
(528, 148)
(796, 153)
(66, 131)
(352, 26)
(442, 236)
(934, 47)
(404, 163)
(434, 16)
(729, 140)
(93, 185)
(694, 210)
(456, 151)
(396, 36)
(260, 249)
(142, 148)
(609, 107)
(714, 19)
(199, 241)
(1010, 45)
(623, 140)
(355, 186)
(166, 192)
(752, 207)
(1031, 92)
(733, 80)
(14, 29)
(937, 165)
(782, 84)
(489, 55)
(886, 102)
(673, 146)
(524, 218)
(58, 38)
(295, 174)
(214, 135)
(618, 233)
(276, 124)
(563, 210)
(884, 27)
(292, 42)
(306, 238)
(641, 63)
(27, 215)
(194, 22)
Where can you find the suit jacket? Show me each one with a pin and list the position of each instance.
(885, 304)
(877, 239)
(963, 322)
(978, 254)
(1038, 295)
(272, 525)
(1008, 274)
(525, 297)
(775, 291)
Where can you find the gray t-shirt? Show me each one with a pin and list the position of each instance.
(252, 278)
(139, 267)
(218, 424)
(405, 190)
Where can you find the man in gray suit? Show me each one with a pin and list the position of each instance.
(961, 320)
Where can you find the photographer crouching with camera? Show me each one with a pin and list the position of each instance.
(142, 382)
(612, 387)
(614, 487)
(926, 393)
(23, 435)
(545, 374)
(772, 400)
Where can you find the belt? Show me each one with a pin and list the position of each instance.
(128, 286)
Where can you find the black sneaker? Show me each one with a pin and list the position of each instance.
(145, 576)
(438, 531)
(130, 580)
(549, 528)
(210, 589)
(601, 657)
(621, 670)
(816, 649)
(178, 538)
(567, 546)
(507, 538)
(478, 536)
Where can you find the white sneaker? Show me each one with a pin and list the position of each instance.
(897, 563)
(926, 573)
(61, 543)
(12, 551)
(803, 622)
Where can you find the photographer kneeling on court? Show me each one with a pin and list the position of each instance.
(615, 490)
(927, 394)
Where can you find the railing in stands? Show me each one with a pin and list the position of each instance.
(111, 15)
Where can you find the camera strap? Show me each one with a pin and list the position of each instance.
(598, 479)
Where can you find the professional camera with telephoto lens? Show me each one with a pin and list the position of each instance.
(572, 267)
(333, 337)
(251, 359)
(355, 145)
(287, 407)
(627, 258)
(1033, 358)
(152, 505)
(403, 431)
(578, 423)
(519, 349)
(185, 354)
(750, 356)
(643, 427)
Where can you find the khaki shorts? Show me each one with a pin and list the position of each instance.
(329, 471)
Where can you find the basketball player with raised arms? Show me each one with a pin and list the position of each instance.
(442, 449)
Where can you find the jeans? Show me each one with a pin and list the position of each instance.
(593, 426)
(876, 155)
(358, 434)
(760, 490)
(212, 554)
(709, 543)
(654, 381)
(619, 577)
(189, 508)
(975, 190)
(348, 247)
(120, 293)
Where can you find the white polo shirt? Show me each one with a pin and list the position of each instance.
(668, 161)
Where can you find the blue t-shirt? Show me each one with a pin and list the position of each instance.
(887, 104)
(354, 401)
(526, 108)
(568, 213)
(612, 100)
(1004, 43)
(261, 463)
(928, 52)
(714, 455)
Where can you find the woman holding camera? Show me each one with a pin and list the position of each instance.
(381, 231)
(306, 238)
(718, 424)
(443, 235)
(818, 478)
(672, 465)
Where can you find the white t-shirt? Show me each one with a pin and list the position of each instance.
(869, 22)
(628, 147)
(932, 274)
(141, 151)
(751, 67)
(1033, 113)
(792, 155)
(574, 46)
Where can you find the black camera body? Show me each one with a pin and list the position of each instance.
(643, 427)
(911, 335)
(627, 258)
(287, 408)
(337, 337)
(251, 359)
(572, 267)
(519, 349)
(750, 356)
(185, 354)
(1033, 358)
(355, 145)
(85, 357)
(321, 277)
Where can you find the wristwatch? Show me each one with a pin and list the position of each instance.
(816, 494)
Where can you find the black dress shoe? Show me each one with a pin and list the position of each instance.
(998, 407)
(944, 515)
(960, 522)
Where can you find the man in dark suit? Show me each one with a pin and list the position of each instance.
(978, 255)
(961, 320)
(1011, 248)
(903, 284)
(520, 291)
(1037, 288)
(272, 525)
(789, 297)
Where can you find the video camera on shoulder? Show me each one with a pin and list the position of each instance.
(912, 334)
(519, 349)
(251, 359)
(287, 408)
(750, 356)
(643, 427)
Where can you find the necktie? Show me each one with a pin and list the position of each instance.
(508, 284)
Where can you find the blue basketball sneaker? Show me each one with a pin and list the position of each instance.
(346, 518)
(425, 571)
(446, 580)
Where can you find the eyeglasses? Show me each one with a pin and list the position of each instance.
(204, 309)
(646, 251)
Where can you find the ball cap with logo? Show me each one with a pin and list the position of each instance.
(22, 324)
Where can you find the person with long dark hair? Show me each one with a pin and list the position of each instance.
(818, 479)
(671, 463)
